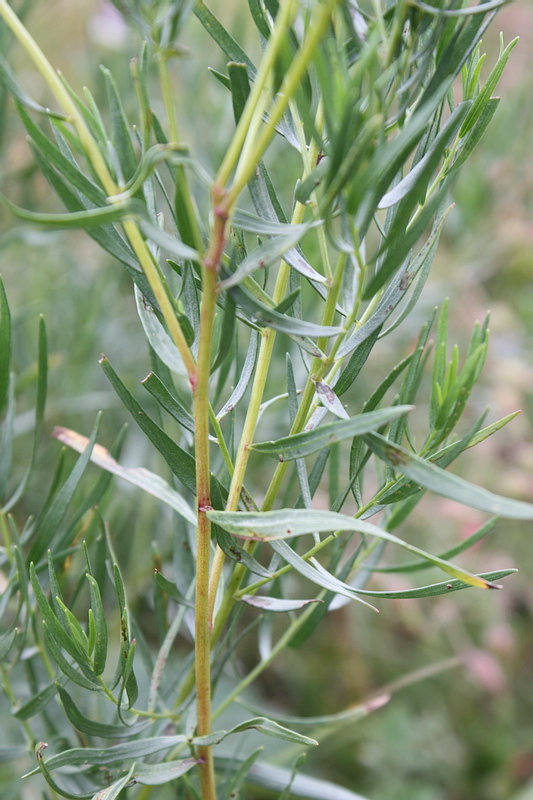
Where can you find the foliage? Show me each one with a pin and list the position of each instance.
(363, 100)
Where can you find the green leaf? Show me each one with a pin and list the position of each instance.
(483, 97)
(227, 330)
(58, 508)
(166, 400)
(244, 378)
(37, 703)
(66, 166)
(85, 725)
(474, 136)
(287, 523)
(75, 219)
(113, 791)
(414, 566)
(438, 588)
(40, 403)
(180, 462)
(232, 550)
(63, 637)
(50, 781)
(105, 756)
(5, 345)
(271, 728)
(66, 667)
(268, 317)
(356, 362)
(316, 574)
(157, 336)
(226, 42)
(275, 779)
(158, 774)
(239, 86)
(443, 483)
(9, 80)
(106, 236)
(120, 132)
(170, 589)
(171, 244)
(100, 649)
(6, 439)
(268, 253)
(303, 444)
(6, 643)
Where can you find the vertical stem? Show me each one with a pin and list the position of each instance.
(200, 386)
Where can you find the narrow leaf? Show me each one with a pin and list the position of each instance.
(275, 603)
(445, 483)
(85, 725)
(303, 444)
(138, 476)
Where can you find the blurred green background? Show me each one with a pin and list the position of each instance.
(467, 733)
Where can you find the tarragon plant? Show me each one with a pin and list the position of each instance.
(262, 290)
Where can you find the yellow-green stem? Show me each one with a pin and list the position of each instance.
(97, 161)
(202, 642)
(246, 167)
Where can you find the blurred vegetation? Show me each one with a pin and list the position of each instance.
(467, 732)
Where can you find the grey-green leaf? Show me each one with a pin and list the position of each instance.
(302, 444)
(445, 483)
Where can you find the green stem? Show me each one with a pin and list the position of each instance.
(280, 645)
(97, 161)
(257, 101)
(259, 143)
(202, 642)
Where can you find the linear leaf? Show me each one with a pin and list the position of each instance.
(232, 550)
(157, 336)
(85, 725)
(158, 774)
(445, 483)
(320, 577)
(58, 507)
(275, 603)
(36, 704)
(244, 379)
(271, 728)
(170, 589)
(271, 318)
(171, 244)
(303, 444)
(276, 779)
(66, 667)
(329, 399)
(287, 523)
(484, 96)
(437, 588)
(100, 647)
(120, 132)
(225, 41)
(166, 400)
(268, 253)
(75, 219)
(113, 791)
(475, 135)
(148, 481)
(105, 756)
(180, 462)
(5, 345)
